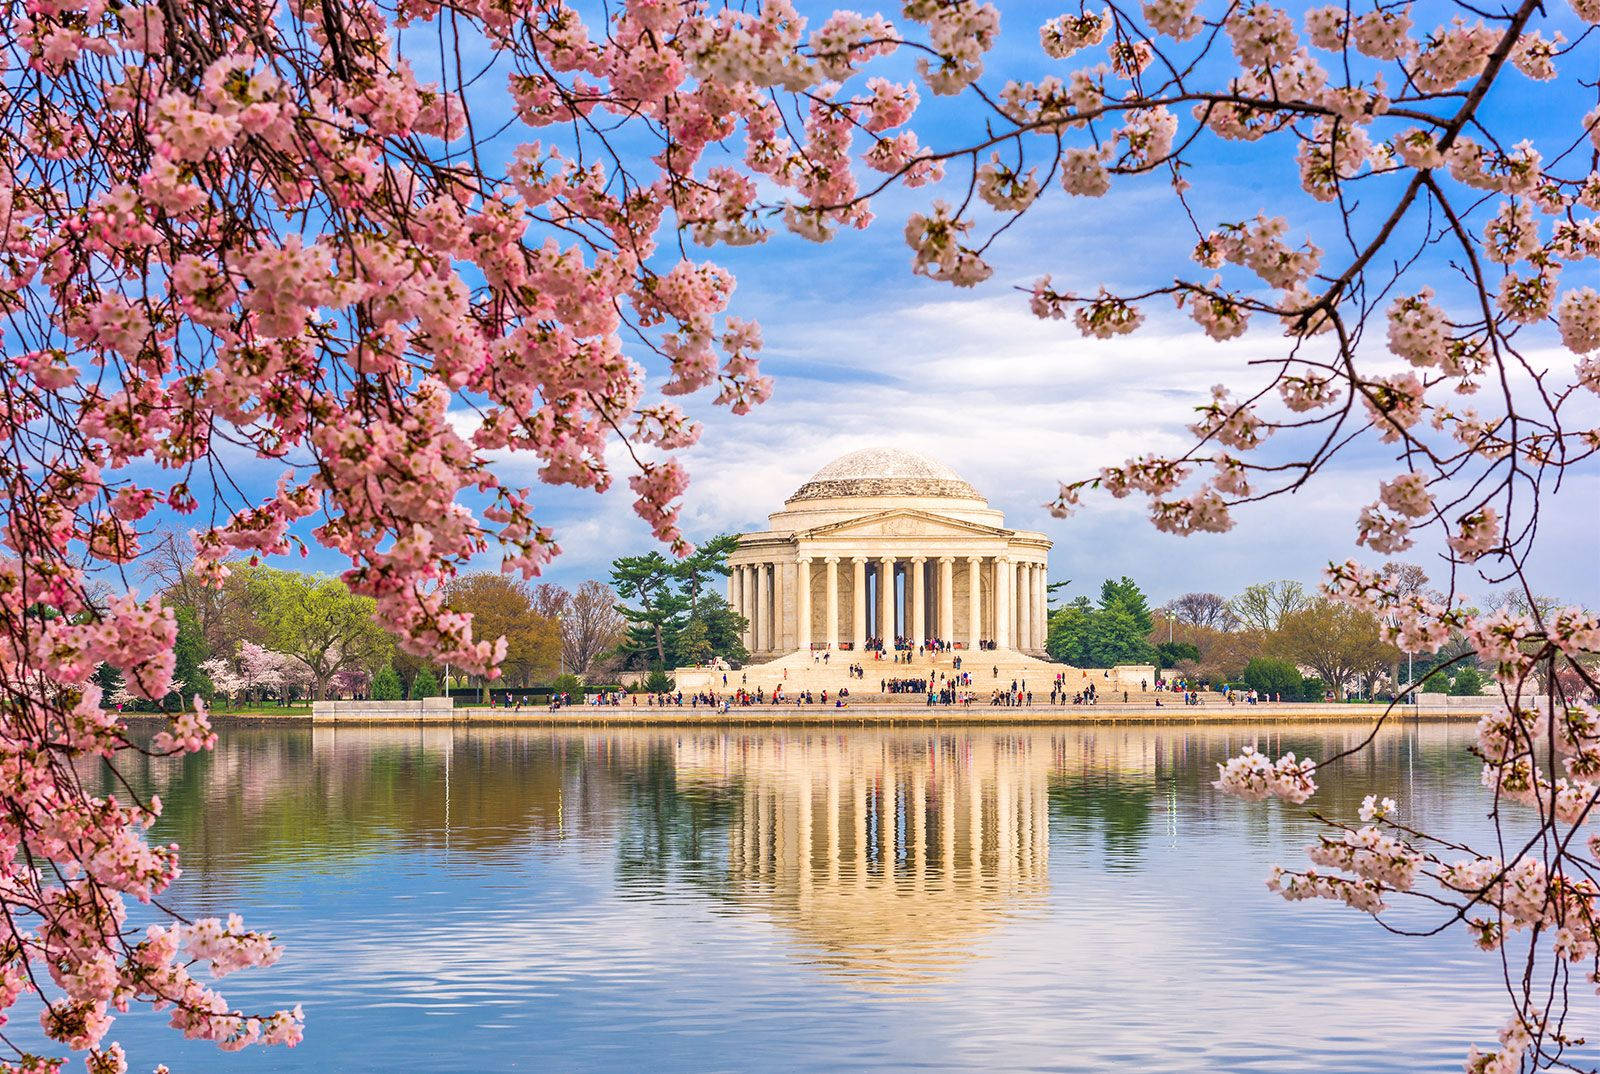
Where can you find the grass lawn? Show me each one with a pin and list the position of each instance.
(261, 708)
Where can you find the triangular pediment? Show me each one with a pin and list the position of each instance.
(904, 522)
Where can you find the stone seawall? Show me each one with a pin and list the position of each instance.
(372, 712)
(428, 710)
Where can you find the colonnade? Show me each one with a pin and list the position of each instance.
(799, 603)
(829, 820)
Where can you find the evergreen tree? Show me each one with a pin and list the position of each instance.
(386, 685)
(1114, 633)
(190, 652)
(1118, 636)
(693, 647)
(423, 684)
(697, 572)
(723, 628)
(1467, 683)
(1066, 639)
(657, 614)
(674, 612)
(1172, 653)
(1126, 595)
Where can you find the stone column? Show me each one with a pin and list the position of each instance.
(1044, 603)
(919, 599)
(974, 603)
(859, 600)
(736, 598)
(782, 590)
(904, 604)
(1033, 623)
(831, 629)
(1002, 602)
(947, 606)
(1024, 606)
(886, 602)
(1036, 604)
(802, 603)
(763, 627)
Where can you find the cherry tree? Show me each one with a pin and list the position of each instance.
(281, 233)
(270, 672)
(224, 677)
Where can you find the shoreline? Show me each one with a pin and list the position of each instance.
(866, 715)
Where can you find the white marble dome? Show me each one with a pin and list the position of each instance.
(885, 472)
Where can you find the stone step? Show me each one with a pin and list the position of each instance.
(988, 670)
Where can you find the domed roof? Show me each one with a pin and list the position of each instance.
(885, 472)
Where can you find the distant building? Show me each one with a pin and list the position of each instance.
(887, 544)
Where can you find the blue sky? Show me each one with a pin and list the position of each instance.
(866, 354)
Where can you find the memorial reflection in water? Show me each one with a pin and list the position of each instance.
(827, 898)
(889, 857)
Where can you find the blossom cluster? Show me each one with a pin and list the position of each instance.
(263, 231)
(1253, 776)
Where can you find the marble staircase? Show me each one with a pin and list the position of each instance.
(990, 669)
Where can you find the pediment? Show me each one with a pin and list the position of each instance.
(904, 522)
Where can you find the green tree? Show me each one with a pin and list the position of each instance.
(698, 571)
(658, 682)
(1118, 636)
(653, 608)
(567, 684)
(319, 622)
(1171, 653)
(723, 629)
(1067, 637)
(1271, 677)
(423, 684)
(1085, 636)
(693, 646)
(1126, 595)
(386, 685)
(1467, 683)
(189, 650)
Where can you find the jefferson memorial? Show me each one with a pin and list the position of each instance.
(882, 545)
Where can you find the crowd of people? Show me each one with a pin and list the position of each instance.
(739, 698)
(904, 649)
(902, 686)
(938, 687)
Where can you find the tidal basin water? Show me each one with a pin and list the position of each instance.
(483, 899)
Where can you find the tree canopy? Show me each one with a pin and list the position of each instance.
(675, 615)
(1336, 641)
(502, 606)
(319, 622)
(1117, 631)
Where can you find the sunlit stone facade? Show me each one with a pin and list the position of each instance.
(887, 544)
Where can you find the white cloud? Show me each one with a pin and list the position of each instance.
(1016, 404)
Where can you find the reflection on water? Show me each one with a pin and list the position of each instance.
(887, 857)
(1055, 898)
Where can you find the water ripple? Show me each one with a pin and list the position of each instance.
(1015, 899)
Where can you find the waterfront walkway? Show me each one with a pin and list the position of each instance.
(865, 711)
